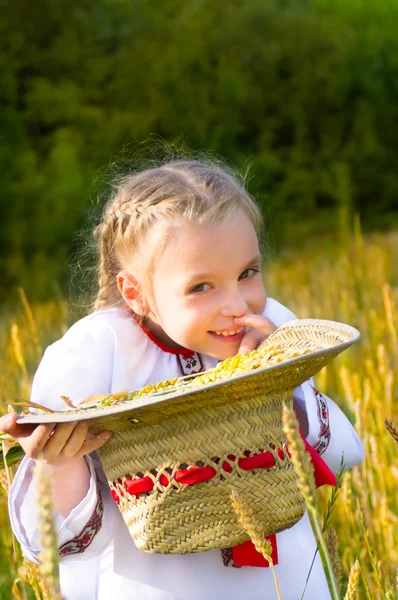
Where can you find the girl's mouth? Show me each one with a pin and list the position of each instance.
(229, 336)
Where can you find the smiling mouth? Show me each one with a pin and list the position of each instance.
(228, 333)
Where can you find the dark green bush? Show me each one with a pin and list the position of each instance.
(308, 90)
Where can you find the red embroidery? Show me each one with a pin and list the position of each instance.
(85, 537)
(227, 558)
(154, 339)
(189, 364)
(324, 425)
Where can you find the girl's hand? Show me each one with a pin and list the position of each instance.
(57, 444)
(259, 328)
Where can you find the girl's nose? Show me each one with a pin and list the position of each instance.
(234, 305)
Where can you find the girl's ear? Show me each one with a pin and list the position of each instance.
(130, 290)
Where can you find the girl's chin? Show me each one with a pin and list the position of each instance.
(227, 353)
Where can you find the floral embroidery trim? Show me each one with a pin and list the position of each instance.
(189, 364)
(324, 425)
(90, 530)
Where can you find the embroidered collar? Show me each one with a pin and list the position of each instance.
(188, 361)
(181, 351)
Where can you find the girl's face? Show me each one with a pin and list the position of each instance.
(206, 277)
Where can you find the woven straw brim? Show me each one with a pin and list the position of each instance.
(323, 340)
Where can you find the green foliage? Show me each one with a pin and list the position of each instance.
(307, 89)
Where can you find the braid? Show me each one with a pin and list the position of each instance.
(112, 233)
(108, 268)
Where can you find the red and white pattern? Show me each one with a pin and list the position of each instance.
(227, 558)
(190, 363)
(85, 537)
(324, 426)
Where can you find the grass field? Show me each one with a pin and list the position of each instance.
(356, 282)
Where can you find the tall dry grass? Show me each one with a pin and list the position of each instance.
(357, 283)
(354, 281)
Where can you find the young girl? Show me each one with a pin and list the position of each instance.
(180, 288)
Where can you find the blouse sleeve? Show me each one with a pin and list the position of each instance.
(78, 365)
(330, 432)
(83, 530)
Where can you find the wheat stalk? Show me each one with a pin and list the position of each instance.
(16, 346)
(31, 322)
(392, 429)
(300, 458)
(30, 573)
(353, 582)
(250, 524)
(333, 547)
(46, 526)
(390, 316)
(4, 484)
(306, 482)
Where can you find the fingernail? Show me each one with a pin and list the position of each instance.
(106, 435)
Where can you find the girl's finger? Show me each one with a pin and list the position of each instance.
(95, 442)
(8, 424)
(75, 440)
(251, 341)
(258, 322)
(58, 440)
(35, 443)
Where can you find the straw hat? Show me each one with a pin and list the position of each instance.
(180, 447)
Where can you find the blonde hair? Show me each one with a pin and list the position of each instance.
(191, 191)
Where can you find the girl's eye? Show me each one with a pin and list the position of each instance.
(201, 287)
(248, 272)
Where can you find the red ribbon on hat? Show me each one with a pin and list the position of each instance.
(243, 554)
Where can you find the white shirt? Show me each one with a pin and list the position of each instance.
(108, 352)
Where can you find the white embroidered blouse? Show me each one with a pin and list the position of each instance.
(108, 352)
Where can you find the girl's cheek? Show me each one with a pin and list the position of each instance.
(202, 304)
(258, 298)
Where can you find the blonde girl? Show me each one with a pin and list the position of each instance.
(180, 288)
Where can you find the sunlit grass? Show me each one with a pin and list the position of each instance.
(356, 283)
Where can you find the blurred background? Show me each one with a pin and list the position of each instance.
(305, 90)
(305, 93)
